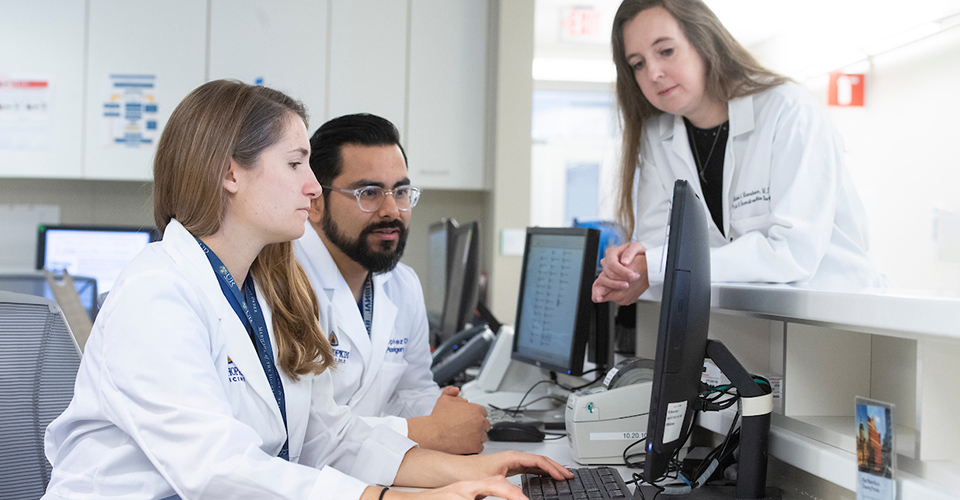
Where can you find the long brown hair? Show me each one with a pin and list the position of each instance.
(219, 121)
(731, 72)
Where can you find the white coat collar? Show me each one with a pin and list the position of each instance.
(739, 111)
(320, 265)
(673, 135)
(185, 251)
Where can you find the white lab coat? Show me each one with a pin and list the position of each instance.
(790, 211)
(384, 375)
(171, 400)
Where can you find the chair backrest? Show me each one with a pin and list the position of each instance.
(39, 359)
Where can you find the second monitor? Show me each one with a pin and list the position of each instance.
(554, 310)
(463, 277)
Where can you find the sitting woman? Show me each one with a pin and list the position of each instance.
(206, 372)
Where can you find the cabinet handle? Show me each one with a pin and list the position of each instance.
(434, 172)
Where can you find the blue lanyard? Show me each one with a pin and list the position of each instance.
(366, 303)
(248, 309)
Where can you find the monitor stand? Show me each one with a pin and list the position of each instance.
(502, 382)
(755, 407)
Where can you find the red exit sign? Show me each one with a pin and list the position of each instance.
(581, 22)
(846, 89)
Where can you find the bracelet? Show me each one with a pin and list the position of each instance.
(383, 492)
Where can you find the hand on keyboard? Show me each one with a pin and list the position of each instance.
(588, 483)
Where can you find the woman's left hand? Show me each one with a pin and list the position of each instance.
(508, 463)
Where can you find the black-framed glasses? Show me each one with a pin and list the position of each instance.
(370, 198)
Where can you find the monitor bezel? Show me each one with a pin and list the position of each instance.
(582, 327)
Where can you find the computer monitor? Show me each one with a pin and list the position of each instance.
(440, 254)
(100, 252)
(554, 309)
(35, 283)
(682, 346)
(682, 333)
(463, 277)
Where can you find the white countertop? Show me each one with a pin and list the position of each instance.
(894, 312)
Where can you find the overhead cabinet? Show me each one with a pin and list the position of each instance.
(115, 70)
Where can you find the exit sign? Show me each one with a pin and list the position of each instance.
(580, 22)
(845, 89)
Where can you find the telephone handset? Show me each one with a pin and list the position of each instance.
(452, 344)
(460, 352)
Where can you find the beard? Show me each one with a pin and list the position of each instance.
(374, 258)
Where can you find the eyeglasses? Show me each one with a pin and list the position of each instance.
(370, 198)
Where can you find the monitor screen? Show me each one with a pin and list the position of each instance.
(440, 254)
(682, 332)
(463, 276)
(99, 252)
(554, 309)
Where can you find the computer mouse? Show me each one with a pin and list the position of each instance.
(526, 432)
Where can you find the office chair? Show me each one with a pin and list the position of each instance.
(39, 359)
(76, 296)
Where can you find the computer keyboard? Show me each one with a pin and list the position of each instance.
(588, 483)
(494, 416)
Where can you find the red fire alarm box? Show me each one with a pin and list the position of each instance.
(845, 89)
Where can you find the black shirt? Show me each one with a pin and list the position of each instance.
(708, 147)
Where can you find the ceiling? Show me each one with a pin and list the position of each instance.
(786, 34)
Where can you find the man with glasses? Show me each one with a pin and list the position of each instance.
(371, 306)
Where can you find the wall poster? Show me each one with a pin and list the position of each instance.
(25, 120)
(130, 110)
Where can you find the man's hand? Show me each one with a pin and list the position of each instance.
(624, 275)
(454, 426)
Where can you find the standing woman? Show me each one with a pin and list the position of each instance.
(757, 148)
(204, 375)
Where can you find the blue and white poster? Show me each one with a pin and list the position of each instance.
(130, 110)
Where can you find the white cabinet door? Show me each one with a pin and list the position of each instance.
(143, 58)
(368, 59)
(282, 46)
(446, 132)
(41, 88)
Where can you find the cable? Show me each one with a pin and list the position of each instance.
(553, 378)
(520, 404)
(626, 457)
(577, 388)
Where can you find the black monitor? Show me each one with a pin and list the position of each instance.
(100, 252)
(463, 276)
(440, 254)
(554, 310)
(682, 346)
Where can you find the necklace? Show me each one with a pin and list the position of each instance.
(702, 166)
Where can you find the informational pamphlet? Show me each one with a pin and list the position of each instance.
(130, 110)
(876, 458)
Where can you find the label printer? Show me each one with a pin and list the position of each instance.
(602, 422)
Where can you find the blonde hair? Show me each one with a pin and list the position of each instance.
(730, 72)
(219, 121)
